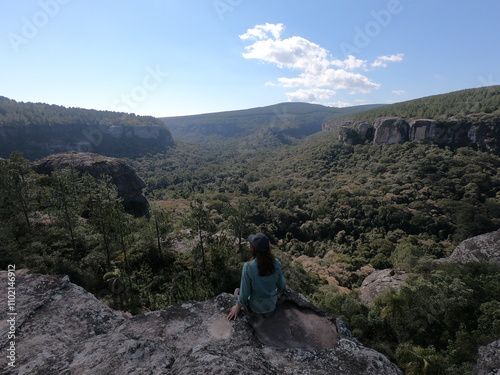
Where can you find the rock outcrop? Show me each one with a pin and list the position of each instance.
(488, 362)
(111, 140)
(396, 131)
(128, 183)
(61, 329)
(485, 247)
(390, 131)
(379, 282)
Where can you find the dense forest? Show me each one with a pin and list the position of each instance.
(480, 105)
(19, 114)
(334, 214)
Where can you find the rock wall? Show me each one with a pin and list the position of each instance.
(395, 131)
(35, 142)
(61, 329)
(128, 183)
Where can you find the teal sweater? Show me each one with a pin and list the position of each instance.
(260, 293)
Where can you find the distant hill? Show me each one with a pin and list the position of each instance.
(38, 130)
(284, 120)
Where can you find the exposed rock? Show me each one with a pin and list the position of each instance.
(394, 130)
(390, 131)
(366, 131)
(378, 282)
(349, 136)
(485, 247)
(128, 183)
(62, 329)
(356, 133)
(112, 140)
(485, 136)
(488, 362)
(421, 129)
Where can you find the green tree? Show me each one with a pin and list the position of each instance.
(238, 220)
(106, 215)
(18, 191)
(65, 202)
(200, 222)
(420, 361)
(161, 227)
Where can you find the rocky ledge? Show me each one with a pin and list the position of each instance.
(61, 329)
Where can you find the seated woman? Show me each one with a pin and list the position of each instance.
(261, 279)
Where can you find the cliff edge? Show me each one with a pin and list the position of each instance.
(60, 328)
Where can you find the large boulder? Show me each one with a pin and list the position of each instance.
(485, 247)
(379, 282)
(390, 131)
(61, 329)
(366, 131)
(349, 136)
(128, 183)
(488, 362)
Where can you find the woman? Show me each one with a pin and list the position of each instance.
(261, 279)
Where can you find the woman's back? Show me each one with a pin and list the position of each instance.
(261, 291)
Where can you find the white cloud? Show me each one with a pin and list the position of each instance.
(398, 92)
(382, 61)
(350, 63)
(318, 73)
(293, 53)
(262, 31)
(309, 95)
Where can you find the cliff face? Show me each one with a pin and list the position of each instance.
(128, 183)
(395, 130)
(60, 328)
(112, 140)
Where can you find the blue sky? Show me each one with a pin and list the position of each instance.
(173, 57)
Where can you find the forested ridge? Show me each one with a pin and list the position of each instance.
(479, 105)
(334, 213)
(20, 114)
(38, 130)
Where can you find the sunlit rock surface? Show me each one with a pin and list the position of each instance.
(62, 329)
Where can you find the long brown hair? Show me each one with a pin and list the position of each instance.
(265, 261)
